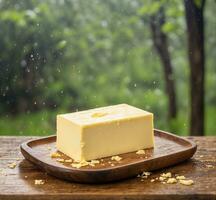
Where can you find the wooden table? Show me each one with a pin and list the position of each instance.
(18, 183)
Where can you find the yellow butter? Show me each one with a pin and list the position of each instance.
(105, 131)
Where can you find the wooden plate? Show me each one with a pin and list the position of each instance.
(169, 150)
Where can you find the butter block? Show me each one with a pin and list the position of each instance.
(105, 131)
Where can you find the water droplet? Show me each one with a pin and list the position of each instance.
(23, 63)
(135, 85)
(104, 23)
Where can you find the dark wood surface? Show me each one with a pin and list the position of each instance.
(169, 150)
(18, 183)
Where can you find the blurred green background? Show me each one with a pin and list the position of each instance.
(60, 56)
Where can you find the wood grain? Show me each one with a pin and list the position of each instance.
(18, 183)
(169, 150)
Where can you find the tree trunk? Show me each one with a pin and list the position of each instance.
(25, 100)
(161, 46)
(195, 31)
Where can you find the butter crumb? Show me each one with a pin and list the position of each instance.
(2, 172)
(95, 161)
(80, 164)
(116, 158)
(210, 166)
(12, 165)
(60, 160)
(180, 177)
(55, 155)
(141, 151)
(171, 180)
(162, 178)
(39, 182)
(92, 164)
(144, 175)
(68, 161)
(186, 182)
(167, 175)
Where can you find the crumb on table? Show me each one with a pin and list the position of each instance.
(39, 182)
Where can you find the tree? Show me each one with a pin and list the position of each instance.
(195, 31)
(159, 37)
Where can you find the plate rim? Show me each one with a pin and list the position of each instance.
(27, 150)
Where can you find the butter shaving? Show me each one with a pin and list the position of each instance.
(171, 180)
(180, 177)
(140, 152)
(80, 164)
(167, 175)
(12, 165)
(68, 161)
(116, 158)
(85, 163)
(39, 182)
(55, 155)
(162, 178)
(60, 160)
(186, 182)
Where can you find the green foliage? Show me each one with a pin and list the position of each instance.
(60, 56)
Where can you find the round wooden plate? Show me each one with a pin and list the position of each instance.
(169, 150)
